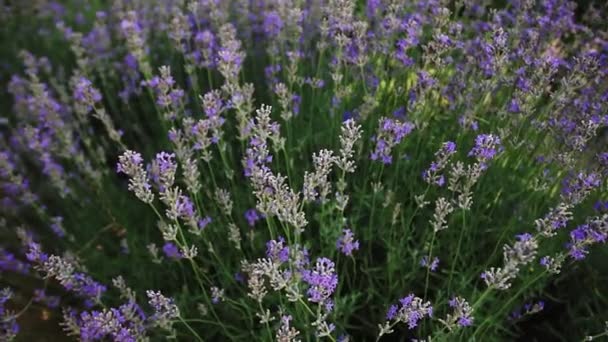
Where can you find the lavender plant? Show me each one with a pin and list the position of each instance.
(287, 170)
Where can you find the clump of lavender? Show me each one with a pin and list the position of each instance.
(172, 251)
(252, 216)
(322, 279)
(487, 146)
(527, 309)
(316, 184)
(164, 309)
(131, 164)
(432, 265)
(134, 35)
(168, 96)
(460, 316)
(389, 134)
(462, 179)
(286, 332)
(593, 232)
(179, 81)
(347, 243)
(67, 274)
(522, 252)
(9, 328)
(162, 170)
(433, 175)
(217, 295)
(125, 323)
(275, 197)
(410, 310)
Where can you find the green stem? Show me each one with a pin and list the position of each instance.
(458, 246)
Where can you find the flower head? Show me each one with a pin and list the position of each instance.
(347, 243)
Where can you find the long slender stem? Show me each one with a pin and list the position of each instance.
(190, 328)
(457, 254)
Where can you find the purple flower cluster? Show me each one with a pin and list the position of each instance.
(40, 296)
(410, 310)
(85, 95)
(527, 309)
(9, 328)
(204, 53)
(57, 226)
(424, 262)
(462, 311)
(168, 97)
(277, 251)
(487, 146)
(257, 156)
(347, 243)
(171, 251)
(390, 133)
(165, 310)
(162, 170)
(131, 164)
(593, 232)
(252, 216)
(428, 63)
(322, 279)
(433, 175)
(127, 323)
(576, 187)
(65, 272)
(10, 263)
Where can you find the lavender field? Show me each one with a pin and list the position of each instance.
(303, 170)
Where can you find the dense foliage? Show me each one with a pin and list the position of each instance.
(298, 170)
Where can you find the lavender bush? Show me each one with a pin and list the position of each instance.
(341, 170)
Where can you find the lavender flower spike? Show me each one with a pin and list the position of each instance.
(131, 164)
(347, 243)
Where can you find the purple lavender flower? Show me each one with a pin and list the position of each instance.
(527, 309)
(322, 279)
(125, 323)
(575, 188)
(347, 243)
(601, 206)
(162, 170)
(410, 310)
(168, 97)
(186, 210)
(273, 23)
(213, 105)
(206, 49)
(486, 147)
(171, 251)
(9, 328)
(57, 226)
(217, 295)
(40, 296)
(424, 262)
(64, 271)
(85, 95)
(585, 235)
(131, 164)
(390, 133)
(462, 312)
(35, 254)
(372, 7)
(204, 222)
(277, 251)
(165, 309)
(433, 175)
(252, 216)
(9, 263)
